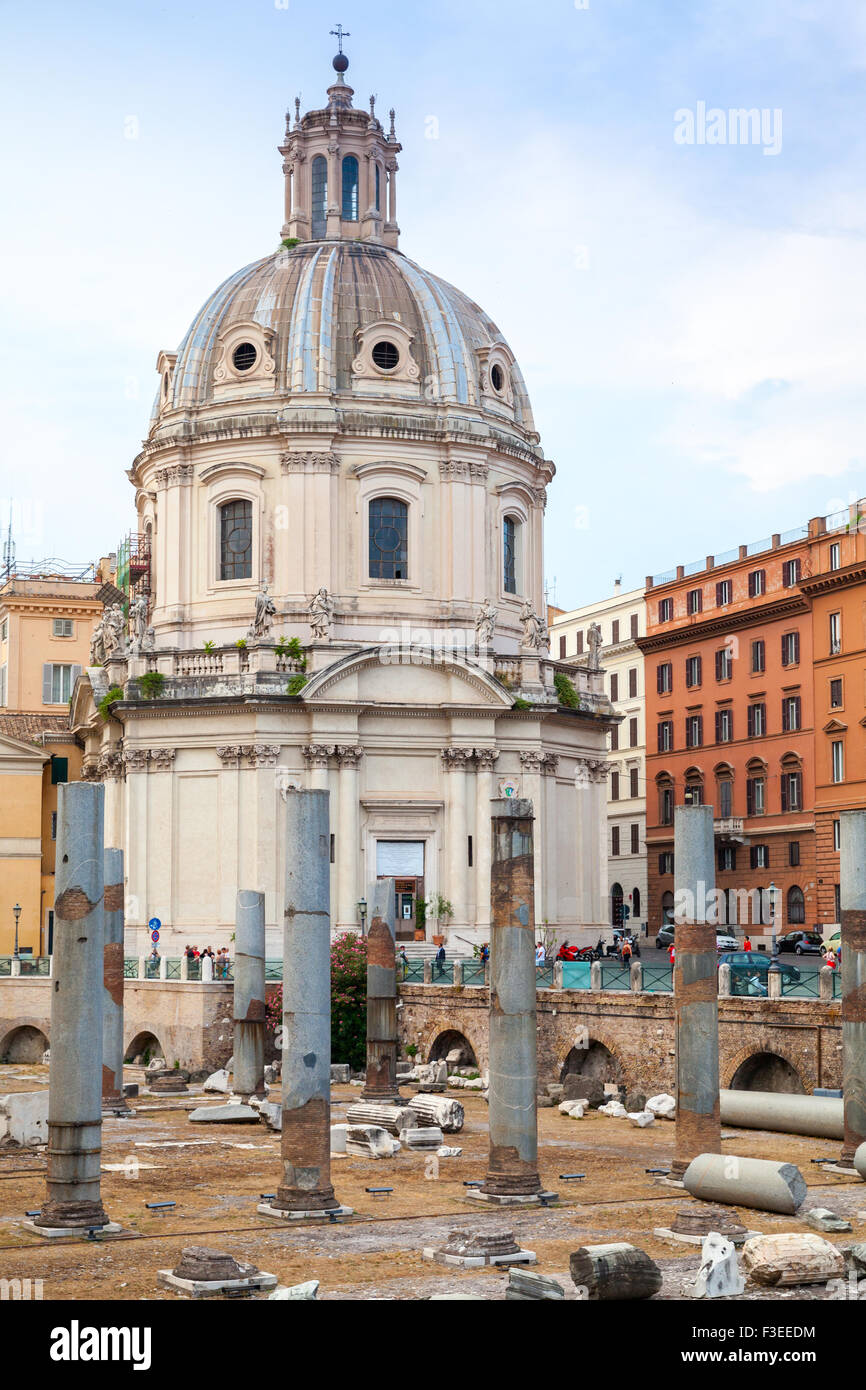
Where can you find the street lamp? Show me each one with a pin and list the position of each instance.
(774, 964)
(17, 910)
(362, 910)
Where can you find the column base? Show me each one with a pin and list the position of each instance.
(322, 1214)
(111, 1228)
(116, 1107)
(512, 1199)
(382, 1097)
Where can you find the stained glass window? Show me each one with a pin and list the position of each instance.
(236, 540)
(509, 547)
(389, 545)
(350, 188)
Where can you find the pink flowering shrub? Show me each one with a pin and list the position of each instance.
(348, 1001)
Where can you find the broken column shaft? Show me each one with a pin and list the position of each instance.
(381, 1082)
(852, 897)
(696, 1003)
(249, 995)
(113, 1099)
(513, 1161)
(75, 1087)
(306, 1061)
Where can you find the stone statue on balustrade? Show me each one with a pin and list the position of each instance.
(485, 623)
(114, 632)
(263, 617)
(535, 631)
(138, 620)
(593, 638)
(321, 611)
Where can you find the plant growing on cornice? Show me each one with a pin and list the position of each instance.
(209, 646)
(151, 684)
(110, 698)
(565, 691)
(241, 644)
(296, 685)
(290, 242)
(520, 703)
(292, 648)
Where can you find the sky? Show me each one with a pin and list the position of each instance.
(685, 296)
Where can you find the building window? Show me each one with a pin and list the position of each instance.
(63, 627)
(633, 787)
(635, 839)
(4, 630)
(792, 790)
(759, 857)
(614, 840)
(693, 671)
(724, 725)
(791, 713)
(837, 901)
(4, 682)
(319, 179)
(666, 804)
(664, 678)
(727, 858)
(757, 583)
(57, 683)
(614, 737)
(694, 601)
(837, 835)
(790, 648)
(59, 771)
(755, 796)
(666, 610)
(236, 540)
(666, 863)
(665, 735)
(794, 854)
(836, 693)
(350, 188)
(756, 720)
(389, 538)
(614, 631)
(694, 730)
(758, 657)
(635, 898)
(578, 638)
(796, 906)
(835, 634)
(694, 792)
(835, 555)
(632, 733)
(790, 573)
(509, 555)
(723, 593)
(724, 664)
(837, 760)
(632, 683)
(378, 189)
(724, 789)
(614, 687)
(633, 625)
(562, 653)
(614, 786)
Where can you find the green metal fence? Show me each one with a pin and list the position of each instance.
(615, 976)
(473, 973)
(658, 979)
(576, 974)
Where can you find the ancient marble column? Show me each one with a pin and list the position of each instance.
(249, 994)
(349, 757)
(381, 1084)
(455, 762)
(852, 896)
(696, 1004)
(485, 760)
(75, 1087)
(306, 1057)
(113, 1099)
(513, 1163)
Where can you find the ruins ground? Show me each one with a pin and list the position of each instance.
(216, 1184)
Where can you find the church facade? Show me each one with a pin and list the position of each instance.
(340, 509)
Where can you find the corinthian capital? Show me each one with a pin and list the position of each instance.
(317, 754)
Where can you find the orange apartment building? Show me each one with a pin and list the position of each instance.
(730, 698)
(835, 585)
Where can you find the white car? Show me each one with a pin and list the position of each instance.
(725, 942)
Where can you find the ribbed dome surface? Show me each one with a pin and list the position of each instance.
(316, 296)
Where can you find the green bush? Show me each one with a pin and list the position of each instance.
(520, 703)
(290, 242)
(209, 646)
(296, 685)
(565, 691)
(151, 684)
(348, 1001)
(109, 698)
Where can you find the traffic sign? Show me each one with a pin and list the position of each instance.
(154, 924)
(154, 936)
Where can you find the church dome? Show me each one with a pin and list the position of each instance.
(346, 317)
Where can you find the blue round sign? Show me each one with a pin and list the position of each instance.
(154, 924)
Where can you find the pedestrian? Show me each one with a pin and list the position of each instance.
(747, 943)
(440, 959)
(830, 958)
(626, 951)
(539, 953)
(404, 962)
(672, 953)
(207, 960)
(485, 953)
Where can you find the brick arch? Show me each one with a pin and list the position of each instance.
(452, 1025)
(772, 1049)
(600, 1035)
(24, 1021)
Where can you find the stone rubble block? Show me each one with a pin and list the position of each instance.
(448, 1151)
(523, 1284)
(219, 1081)
(306, 1292)
(421, 1138)
(719, 1275)
(340, 1074)
(663, 1106)
(444, 1112)
(24, 1119)
(641, 1118)
(370, 1141)
(393, 1118)
(223, 1115)
(575, 1109)
(271, 1114)
(822, 1219)
(471, 1248)
(614, 1110)
(793, 1258)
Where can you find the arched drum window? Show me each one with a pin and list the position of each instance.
(236, 540)
(389, 538)
(320, 196)
(509, 555)
(350, 188)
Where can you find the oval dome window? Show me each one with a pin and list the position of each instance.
(244, 357)
(386, 356)
(497, 377)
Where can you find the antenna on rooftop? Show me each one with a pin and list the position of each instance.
(9, 547)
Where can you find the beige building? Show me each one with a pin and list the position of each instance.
(47, 615)
(342, 491)
(622, 619)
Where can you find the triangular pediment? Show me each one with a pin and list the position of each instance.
(18, 755)
(420, 676)
(835, 726)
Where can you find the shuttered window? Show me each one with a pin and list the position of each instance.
(632, 683)
(58, 682)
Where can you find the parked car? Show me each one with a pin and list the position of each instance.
(726, 942)
(665, 936)
(802, 943)
(835, 941)
(756, 961)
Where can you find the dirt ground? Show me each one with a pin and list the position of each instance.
(218, 1180)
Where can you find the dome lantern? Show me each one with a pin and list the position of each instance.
(340, 170)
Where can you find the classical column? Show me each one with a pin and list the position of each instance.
(696, 1005)
(485, 761)
(317, 756)
(249, 994)
(306, 1060)
(513, 1163)
(349, 757)
(532, 764)
(113, 1099)
(852, 895)
(381, 1084)
(75, 1089)
(550, 848)
(455, 761)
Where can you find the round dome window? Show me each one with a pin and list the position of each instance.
(497, 377)
(386, 356)
(244, 357)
